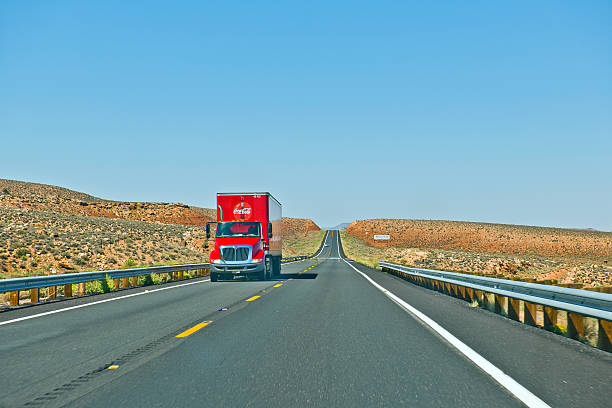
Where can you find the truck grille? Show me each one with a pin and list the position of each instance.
(235, 254)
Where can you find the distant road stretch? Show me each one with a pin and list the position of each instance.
(326, 333)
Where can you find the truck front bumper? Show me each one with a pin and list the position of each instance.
(237, 269)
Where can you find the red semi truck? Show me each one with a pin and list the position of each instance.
(248, 240)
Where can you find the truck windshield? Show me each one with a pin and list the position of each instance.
(237, 229)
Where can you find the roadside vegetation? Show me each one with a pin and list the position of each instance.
(571, 271)
(302, 243)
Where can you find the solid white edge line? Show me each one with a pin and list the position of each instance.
(516, 389)
(145, 292)
(325, 239)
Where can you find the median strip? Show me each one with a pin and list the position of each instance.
(194, 329)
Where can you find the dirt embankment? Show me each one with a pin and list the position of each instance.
(581, 257)
(46, 227)
(486, 238)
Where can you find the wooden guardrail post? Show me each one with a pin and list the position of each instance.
(478, 296)
(575, 326)
(529, 313)
(550, 317)
(115, 284)
(514, 311)
(125, 282)
(34, 295)
(134, 280)
(461, 292)
(500, 303)
(469, 294)
(81, 289)
(68, 290)
(604, 335)
(52, 292)
(14, 298)
(181, 275)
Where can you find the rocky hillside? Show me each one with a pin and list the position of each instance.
(46, 227)
(582, 257)
(486, 238)
(34, 242)
(30, 190)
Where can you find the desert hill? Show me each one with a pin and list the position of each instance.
(484, 237)
(46, 227)
(568, 256)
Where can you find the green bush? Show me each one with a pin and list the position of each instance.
(145, 280)
(130, 263)
(81, 260)
(94, 288)
(107, 285)
(21, 252)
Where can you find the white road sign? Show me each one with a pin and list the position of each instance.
(381, 237)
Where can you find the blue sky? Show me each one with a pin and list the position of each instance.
(480, 111)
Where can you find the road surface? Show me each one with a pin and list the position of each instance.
(323, 334)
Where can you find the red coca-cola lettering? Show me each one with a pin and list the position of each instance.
(243, 211)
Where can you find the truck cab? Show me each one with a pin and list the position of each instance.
(248, 237)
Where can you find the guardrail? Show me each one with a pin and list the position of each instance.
(520, 301)
(122, 278)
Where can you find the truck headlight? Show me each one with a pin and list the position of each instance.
(257, 260)
(215, 261)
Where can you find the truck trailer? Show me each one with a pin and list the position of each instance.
(248, 240)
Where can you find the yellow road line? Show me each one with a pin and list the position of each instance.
(253, 298)
(277, 285)
(194, 329)
(113, 367)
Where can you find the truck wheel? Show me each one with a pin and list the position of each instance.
(214, 277)
(276, 266)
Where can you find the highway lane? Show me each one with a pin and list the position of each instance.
(329, 341)
(324, 337)
(41, 354)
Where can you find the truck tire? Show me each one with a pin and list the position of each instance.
(214, 277)
(277, 266)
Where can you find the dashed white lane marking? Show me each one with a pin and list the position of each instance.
(145, 292)
(516, 389)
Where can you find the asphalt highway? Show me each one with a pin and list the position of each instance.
(326, 333)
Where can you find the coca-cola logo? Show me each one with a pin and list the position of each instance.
(243, 211)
